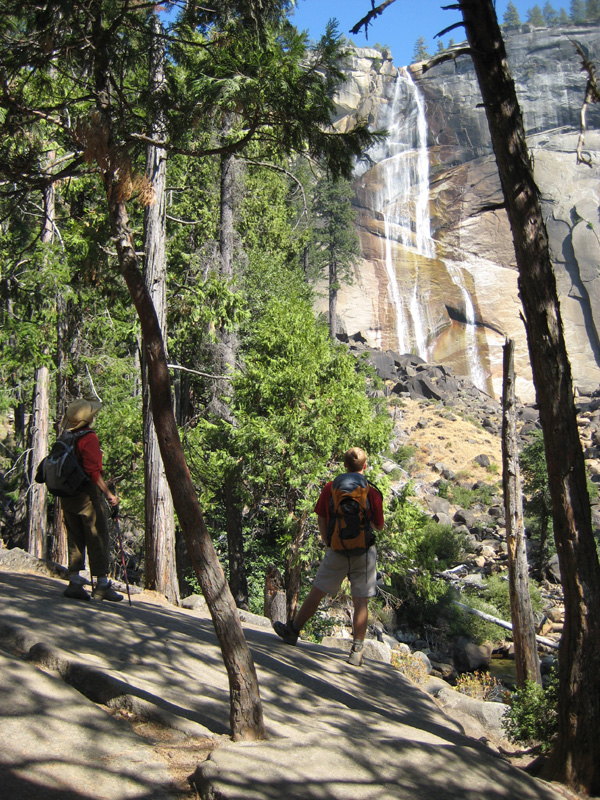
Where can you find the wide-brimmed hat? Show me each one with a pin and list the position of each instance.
(80, 413)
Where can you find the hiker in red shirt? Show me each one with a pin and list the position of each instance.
(350, 552)
(84, 513)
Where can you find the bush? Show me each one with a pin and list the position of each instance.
(532, 717)
(480, 685)
(410, 666)
(498, 594)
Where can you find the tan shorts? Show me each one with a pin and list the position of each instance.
(360, 570)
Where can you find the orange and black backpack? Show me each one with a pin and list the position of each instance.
(349, 526)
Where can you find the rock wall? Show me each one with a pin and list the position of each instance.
(461, 297)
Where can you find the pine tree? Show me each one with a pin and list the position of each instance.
(577, 12)
(563, 17)
(535, 17)
(511, 16)
(420, 53)
(550, 15)
(592, 10)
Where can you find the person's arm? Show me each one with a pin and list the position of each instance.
(112, 499)
(323, 529)
(91, 460)
(376, 502)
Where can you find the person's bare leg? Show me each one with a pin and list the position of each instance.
(359, 627)
(308, 608)
(361, 617)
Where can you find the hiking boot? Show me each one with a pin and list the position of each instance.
(286, 632)
(76, 592)
(355, 658)
(106, 593)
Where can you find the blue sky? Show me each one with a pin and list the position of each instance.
(400, 25)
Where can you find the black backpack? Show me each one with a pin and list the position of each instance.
(349, 527)
(60, 470)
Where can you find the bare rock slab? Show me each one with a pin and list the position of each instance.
(359, 769)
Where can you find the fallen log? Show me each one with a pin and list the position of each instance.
(502, 623)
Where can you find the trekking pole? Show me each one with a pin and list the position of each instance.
(115, 518)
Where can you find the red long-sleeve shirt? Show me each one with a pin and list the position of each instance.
(90, 455)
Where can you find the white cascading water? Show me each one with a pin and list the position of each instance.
(472, 357)
(403, 203)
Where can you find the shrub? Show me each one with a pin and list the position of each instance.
(480, 685)
(410, 666)
(404, 455)
(498, 594)
(532, 717)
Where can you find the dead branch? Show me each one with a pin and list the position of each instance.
(374, 12)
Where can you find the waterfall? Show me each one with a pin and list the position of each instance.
(403, 205)
(477, 372)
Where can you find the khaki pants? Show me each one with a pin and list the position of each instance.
(87, 529)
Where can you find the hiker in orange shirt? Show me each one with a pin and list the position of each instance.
(347, 510)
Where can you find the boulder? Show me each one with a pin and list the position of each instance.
(194, 602)
(469, 656)
(378, 651)
(463, 708)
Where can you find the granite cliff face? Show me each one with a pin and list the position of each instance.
(437, 275)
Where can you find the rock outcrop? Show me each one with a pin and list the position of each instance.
(439, 278)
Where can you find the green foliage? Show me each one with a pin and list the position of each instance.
(411, 549)
(577, 11)
(511, 16)
(334, 243)
(461, 623)
(532, 717)
(465, 497)
(410, 665)
(492, 598)
(421, 52)
(538, 503)
(535, 17)
(592, 10)
(480, 685)
(404, 455)
(550, 14)
(498, 595)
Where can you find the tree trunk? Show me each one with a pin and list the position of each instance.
(58, 550)
(224, 364)
(37, 433)
(527, 663)
(293, 568)
(333, 296)
(246, 715)
(575, 758)
(37, 496)
(161, 571)
(232, 502)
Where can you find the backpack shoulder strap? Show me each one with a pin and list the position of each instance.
(372, 486)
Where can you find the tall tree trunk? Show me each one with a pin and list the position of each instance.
(527, 662)
(161, 571)
(232, 502)
(246, 715)
(231, 495)
(58, 549)
(294, 567)
(37, 496)
(333, 296)
(575, 758)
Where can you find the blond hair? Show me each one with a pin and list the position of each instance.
(355, 459)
